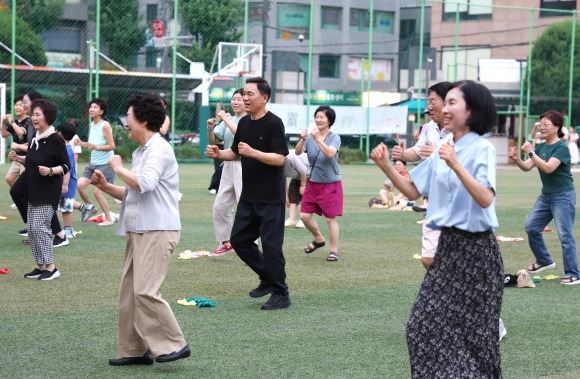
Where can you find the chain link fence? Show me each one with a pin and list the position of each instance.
(345, 54)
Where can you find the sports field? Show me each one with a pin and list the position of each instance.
(347, 318)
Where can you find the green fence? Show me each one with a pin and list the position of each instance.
(313, 53)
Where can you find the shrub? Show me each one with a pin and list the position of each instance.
(348, 155)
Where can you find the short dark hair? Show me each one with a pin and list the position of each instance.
(479, 101)
(440, 89)
(18, 98)
(262, 84)
(239, 90)
(33, 95)
(48, 108)
(328, 111)
(556, 118)
(74, 122)
(400, 160)
(147, 108)
(101, 103)
(67, 129)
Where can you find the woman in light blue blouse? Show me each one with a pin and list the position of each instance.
(454, 324)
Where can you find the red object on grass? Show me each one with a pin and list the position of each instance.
(5, 271)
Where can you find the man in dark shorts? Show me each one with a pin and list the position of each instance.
(261, 144)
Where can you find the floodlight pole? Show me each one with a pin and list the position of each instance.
(13, 55)
(98, 47)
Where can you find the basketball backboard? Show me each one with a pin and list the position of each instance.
(239, 59)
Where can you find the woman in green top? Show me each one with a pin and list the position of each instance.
(558, 198)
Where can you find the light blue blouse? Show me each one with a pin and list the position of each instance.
(450, 205)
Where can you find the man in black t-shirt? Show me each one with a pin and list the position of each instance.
(261, 144)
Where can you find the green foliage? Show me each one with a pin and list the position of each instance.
(186, 151)
(41, 15)
(28, 45)
(550, 69)
(121, 31)
(123, 145)
(348, 155)
(210, 22)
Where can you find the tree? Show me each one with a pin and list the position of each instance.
(28, 45)
(121, 31)
(210, 22)
(550, 69)
(41, 15)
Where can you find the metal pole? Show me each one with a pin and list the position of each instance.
(174, 70)
(371, 24)
(13, 57)
(528, 84)
(308, 74)
(98, 47)
(420, 71)
(246, 16)
(572, 48)
(456, 40)
(362, 90)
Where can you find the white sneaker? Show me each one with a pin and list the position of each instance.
(13, 206)
(290, 223)
(212, 191)
(299, 225)
(502, 330)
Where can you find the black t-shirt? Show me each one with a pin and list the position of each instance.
(51, 152)
(262, 183)
(15, 137)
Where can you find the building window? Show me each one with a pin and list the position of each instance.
(63, 39)
(329, 66)
(151, 13)
(479, 10)
(556, 4)
(255, 14)
(360, 21)
(467, 61)
(331, 18)
(293, 19)
(150, 57)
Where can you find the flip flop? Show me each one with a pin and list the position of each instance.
(315, 245)
(570, 281)
(332, 257)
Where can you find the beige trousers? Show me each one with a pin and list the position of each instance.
(146, 321)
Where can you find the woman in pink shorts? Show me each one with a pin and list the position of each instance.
(323, 193)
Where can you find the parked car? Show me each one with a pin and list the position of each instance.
(192, 138)
(176, 139)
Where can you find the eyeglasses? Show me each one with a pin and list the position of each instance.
(433, 102)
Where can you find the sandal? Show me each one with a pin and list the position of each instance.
(333, 257)
(313, 246)
(570, 281)
(536, 267)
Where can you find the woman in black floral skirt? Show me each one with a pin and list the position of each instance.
(454, 324)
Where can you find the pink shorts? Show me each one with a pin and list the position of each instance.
(324, 199)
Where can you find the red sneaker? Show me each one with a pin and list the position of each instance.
(223, 250)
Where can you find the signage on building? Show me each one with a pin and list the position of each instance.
(157, 28)
(334, 98)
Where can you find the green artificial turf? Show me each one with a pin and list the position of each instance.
(347, 318)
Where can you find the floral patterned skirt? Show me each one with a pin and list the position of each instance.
(453, 330)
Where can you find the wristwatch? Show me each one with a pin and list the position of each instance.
(51, 173)
(530, 154)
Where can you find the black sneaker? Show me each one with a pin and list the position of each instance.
(23, 232)
(49, 275)
(262, 290)
(277, 301)
(34, 274)
(58, 242)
